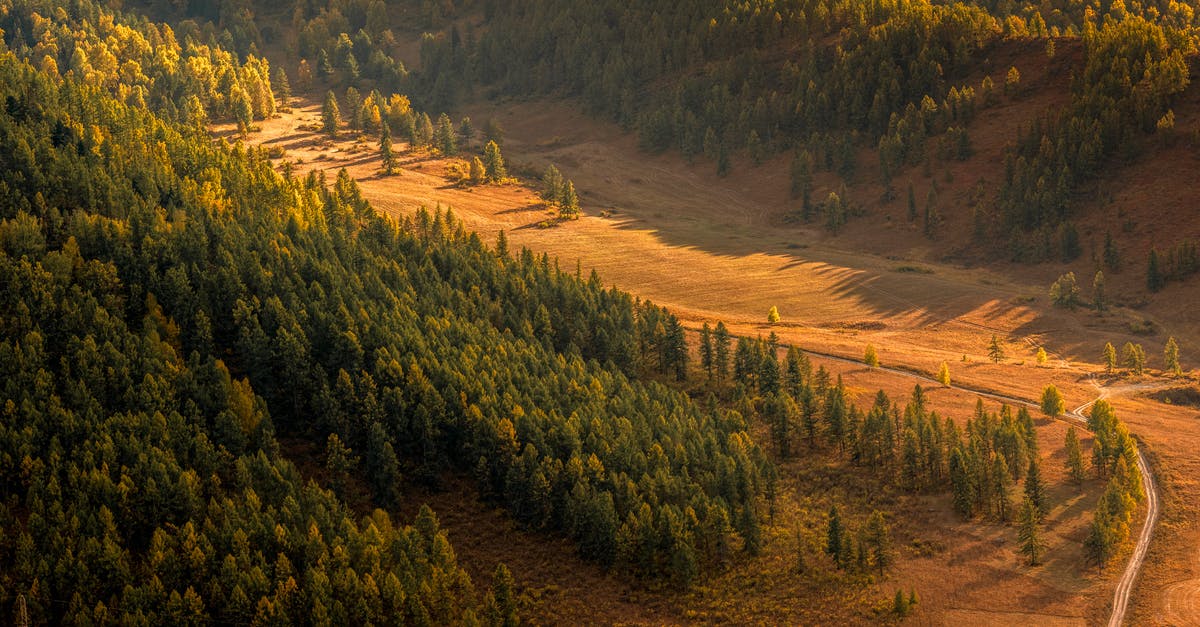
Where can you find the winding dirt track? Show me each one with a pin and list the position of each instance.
(1129, 576)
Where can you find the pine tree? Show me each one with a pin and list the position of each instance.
(1154, 277)
(1099, 298)
(1110, 358)
(444, 136)
(900, 604)
(773, 315)
(568, 205)
(1035, 491)
(283, 88)
(1112, 258)
(493, 163)
(1074, 457)
(330, 116)
(932, 219)
(385, 149)
(721, 351)
(1065, 292)
(879, 540)
(478, 171)
(1029, 532)
(1134, 358)
(504, 590)
(944, 375)
(834, 535)
(995, 351)
(466, 130)
(1171, 357)
(706, 350)
(552, 184)
(1052, 402)
(870, 358)
(1001, 484)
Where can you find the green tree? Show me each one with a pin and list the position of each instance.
(330, 116)
(340, 462)
(243, 114)
(773, 315)
(1133, 357)
(870, 358)
(1155, 280)
(1029, 532)
(552, 184)
(466, 130)
(912, 203)
(1074, 462)
(282, 87)
(504, 590)
(995, 351)
(721, 351)
(385, 149)
(900, 604)
(835, 536)
(879, 540)
(493, 163)
(1171, 357)
(1110, 358)
(1052, 402)
(1064, 292)
(706, 350)
(444, 137)
(568, 205)
(1112, 257)
(1035, 491)
(478, 172)
(1099, 297)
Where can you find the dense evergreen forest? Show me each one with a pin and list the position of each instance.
(171, 304)
(814, 79)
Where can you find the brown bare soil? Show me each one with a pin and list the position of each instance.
(718, 249)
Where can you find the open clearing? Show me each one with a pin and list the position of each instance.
(714, 249)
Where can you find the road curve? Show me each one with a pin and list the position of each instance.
(1129, 576)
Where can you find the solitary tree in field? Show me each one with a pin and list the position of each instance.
(1171, 357)
(1052, 402)
(1074, 457)
(870, 358)
(995, 351)
(944, 375)
(330, 116)
(1099, 297)
(1029, 533)
(493, 163)
(1042, 358)
(1110, 358)
(385, 149)
(773, 315)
